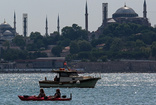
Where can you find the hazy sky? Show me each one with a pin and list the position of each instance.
(70, 11)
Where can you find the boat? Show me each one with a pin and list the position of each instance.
(69, 78)
(47, 98)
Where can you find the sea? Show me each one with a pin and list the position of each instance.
(111, 89)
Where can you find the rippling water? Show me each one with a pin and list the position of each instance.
(112, 89)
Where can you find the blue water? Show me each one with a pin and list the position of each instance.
(112, 89)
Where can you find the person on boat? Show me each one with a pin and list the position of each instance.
(56, 79)
(42, 94)
(57, 94)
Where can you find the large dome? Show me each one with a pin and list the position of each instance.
(125, 12)
(5, 25)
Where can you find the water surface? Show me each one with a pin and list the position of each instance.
(112, 89)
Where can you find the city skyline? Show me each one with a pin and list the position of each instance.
(70, 12)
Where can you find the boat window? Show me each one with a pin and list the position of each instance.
(68, 74)
(64, 75)
(73, 74)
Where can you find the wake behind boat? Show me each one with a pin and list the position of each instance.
(69, 78)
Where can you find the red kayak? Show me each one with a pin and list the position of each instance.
(47, 98)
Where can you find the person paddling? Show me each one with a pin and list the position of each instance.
(42, 94)
(57, 94)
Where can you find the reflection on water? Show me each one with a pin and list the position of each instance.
(112, 89)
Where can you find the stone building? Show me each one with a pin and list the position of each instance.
(6, 31)
(124, 14)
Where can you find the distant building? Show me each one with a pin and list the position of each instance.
(122, 15)
(41, 63)
(6, 31)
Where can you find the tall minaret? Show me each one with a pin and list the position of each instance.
(15, 22)
(25, 24)
(46, 28)
(105, 13)
(145, 10)
(58, 25)
(86, 18)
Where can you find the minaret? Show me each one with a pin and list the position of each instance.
(105, 13)
(25, 24)
(46, 28)
(15, 22)
(86, 18)
(58, 25)
(145, 10)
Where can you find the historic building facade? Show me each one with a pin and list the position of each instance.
(6, 31)
(124, 14)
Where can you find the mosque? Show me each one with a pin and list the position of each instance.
(6, 31)
(124, 14)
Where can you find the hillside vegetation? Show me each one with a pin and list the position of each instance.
(118, 41)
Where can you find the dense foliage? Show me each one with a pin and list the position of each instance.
(127, 41)
(119, 41)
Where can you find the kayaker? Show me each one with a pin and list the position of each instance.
(42, 94)
(57, 94)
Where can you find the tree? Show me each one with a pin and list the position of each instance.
(35, 36)
(6, 44)
(19, 41)
(38, 41)
(74, 48)
(84, 55)
(13, 54)
(148, 37)
(153, 48)
(57, 50)
(116, 45)
(84, 46)
(65, 42)
(104, 58)
(74, 33)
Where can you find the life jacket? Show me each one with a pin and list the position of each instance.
(58, 95)
(41, 95)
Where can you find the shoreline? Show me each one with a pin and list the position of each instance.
(20, 72)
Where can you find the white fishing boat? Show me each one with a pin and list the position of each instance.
(69, 78)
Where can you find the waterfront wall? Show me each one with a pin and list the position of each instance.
(117, 66)
(126, 66)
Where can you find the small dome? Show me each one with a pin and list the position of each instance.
(7, 33)
(5, 25)
(125, 12)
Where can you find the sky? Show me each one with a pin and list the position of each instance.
(69, 11)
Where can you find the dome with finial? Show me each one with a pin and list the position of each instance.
(5, 25)
(125, 12)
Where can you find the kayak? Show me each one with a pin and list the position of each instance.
(47, 98)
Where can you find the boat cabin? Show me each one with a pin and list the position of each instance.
(66, 75)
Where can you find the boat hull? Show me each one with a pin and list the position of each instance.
(33, 98)
(88, 83)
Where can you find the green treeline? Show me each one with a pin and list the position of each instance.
(118, 41)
